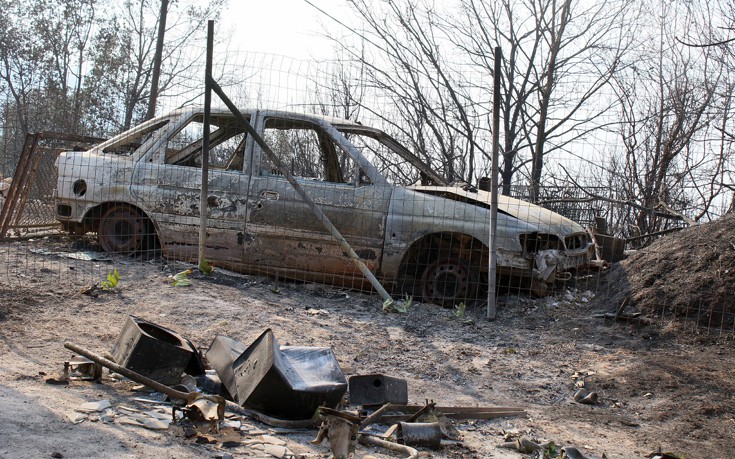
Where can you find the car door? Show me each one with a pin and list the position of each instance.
(283, 235)
(169, 182)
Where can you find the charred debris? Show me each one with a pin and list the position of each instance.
(210, 395)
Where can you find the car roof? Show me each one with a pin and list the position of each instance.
(192, 109)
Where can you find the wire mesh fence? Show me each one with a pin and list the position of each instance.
(135, 198)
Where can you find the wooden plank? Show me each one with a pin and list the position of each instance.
(410, 409)
(454, 412)
(394, 418)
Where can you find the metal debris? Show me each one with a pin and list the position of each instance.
(420, 434)
(586, 397)
(377, 389)
(156, 352)
(340, 427)
(193, 403)
(289, 382)
(81, 368)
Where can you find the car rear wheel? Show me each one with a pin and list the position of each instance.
(448, 282)
(121, 229)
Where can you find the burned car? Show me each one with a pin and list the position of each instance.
(417, 233)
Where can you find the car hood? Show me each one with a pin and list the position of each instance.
(544, 219)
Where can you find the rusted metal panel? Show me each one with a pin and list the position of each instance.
(221, 355)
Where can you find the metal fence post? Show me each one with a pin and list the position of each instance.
(205, 145)
(493, 259)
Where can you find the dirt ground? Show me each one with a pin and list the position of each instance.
(663, 385)
(690, 274)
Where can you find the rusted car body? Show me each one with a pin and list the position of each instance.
(413, 230)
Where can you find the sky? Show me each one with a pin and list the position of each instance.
(291, 28)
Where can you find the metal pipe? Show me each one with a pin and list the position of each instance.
(372, 441)
(323, 219)
(162, 388)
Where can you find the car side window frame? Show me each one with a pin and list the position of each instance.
(158, 153)
(359, 175)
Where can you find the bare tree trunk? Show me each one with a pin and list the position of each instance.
(556, 33)
(157, 61)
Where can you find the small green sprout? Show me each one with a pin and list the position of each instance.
(401, 306)
(182, 279)
(206, 267)
(113, 279)
(459, 310)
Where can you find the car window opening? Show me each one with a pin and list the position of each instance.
(128, 144)
(309, 152)
(227, 141)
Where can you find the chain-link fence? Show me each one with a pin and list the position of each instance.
(294, 193)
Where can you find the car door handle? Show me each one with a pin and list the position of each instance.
(269, 195)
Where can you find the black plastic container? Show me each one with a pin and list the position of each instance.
(288, 382)
(156, 352)
(221, 355)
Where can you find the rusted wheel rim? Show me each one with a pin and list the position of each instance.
(448, 282)
(121, 230)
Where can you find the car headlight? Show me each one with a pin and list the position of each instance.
(534, 242)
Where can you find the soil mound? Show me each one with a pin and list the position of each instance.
(689, 274)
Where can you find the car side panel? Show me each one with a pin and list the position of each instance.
(283, 232)
(413, 215)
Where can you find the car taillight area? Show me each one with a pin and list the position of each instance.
(63, 210)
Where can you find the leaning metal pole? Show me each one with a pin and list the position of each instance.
(323, 219)
(491, 276)
(205, 146)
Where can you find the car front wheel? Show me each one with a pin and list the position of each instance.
(448, 282)
(121, 229)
